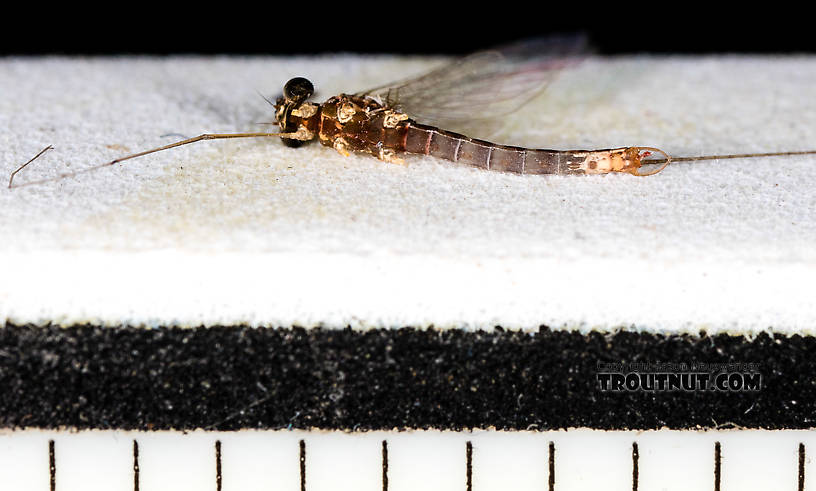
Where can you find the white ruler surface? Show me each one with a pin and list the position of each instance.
(407, 461)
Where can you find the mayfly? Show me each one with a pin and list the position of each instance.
(409, 117)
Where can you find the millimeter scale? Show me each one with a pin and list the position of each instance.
(380, 461)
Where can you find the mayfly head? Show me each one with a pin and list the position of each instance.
(297, 117)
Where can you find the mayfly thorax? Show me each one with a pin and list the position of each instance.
(411, 117)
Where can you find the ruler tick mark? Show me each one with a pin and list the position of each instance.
(635, 457)
(52, 465)
(135, 465)
(384, 465)
(302, 465)
(552, 467)
(469, 465)
(717, 465)
(218, 465)
(801, 467)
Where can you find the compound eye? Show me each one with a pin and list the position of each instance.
(298, 89)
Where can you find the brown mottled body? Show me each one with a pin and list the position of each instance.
(361, 124)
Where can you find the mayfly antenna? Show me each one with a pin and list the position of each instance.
(206, 136)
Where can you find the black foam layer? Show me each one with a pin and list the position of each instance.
(233, 378)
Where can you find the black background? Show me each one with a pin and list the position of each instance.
(405, 26)
(232, 378)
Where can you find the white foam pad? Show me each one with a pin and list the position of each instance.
(250, 231)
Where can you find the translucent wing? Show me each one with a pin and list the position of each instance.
(483, 85)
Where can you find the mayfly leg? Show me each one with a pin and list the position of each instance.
(206, 136)
(11, 178)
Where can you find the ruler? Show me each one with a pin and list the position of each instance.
(295, 460)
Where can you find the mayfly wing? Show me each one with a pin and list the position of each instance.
(485, 85)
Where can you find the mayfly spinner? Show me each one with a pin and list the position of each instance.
(408, 117)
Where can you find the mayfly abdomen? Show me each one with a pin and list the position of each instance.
(429, 140)
(360, 124)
